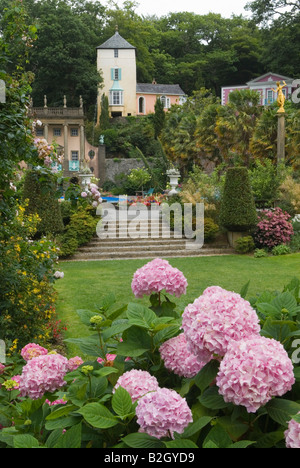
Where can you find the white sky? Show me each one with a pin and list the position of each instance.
(200, 7)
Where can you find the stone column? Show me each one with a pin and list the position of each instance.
(66, 149)
(101, 164)
(281, 138)
(46, 131)
(82, 146)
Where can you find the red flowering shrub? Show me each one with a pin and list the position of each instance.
(273, 228)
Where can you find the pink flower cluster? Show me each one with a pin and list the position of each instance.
(253, 371)
(109, 360)
(47, 152)
(33, 350)
(74, 363)
(43, 374)
(178, 359)
(292, 435)
(92, 193)
(214, 320)
(274, 228)
(156, 276)
(2, 369)
(163, 412)
(137, 383)
(56, 402)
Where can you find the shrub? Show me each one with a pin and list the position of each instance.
(40, 191)
(281, 250)
(237, 211)
(80, 230)
(27, 297)
(260, 253)
(211, 229)
(290, 195)
(245, 244)
(274, 228)
(295, 242)
(265, 180)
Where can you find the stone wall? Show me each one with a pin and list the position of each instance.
(114, 167)
(107, 169)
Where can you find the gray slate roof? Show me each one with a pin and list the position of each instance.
(116, 42)
(168, 89)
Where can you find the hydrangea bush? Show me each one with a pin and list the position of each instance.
(274, 228)
(222, 373)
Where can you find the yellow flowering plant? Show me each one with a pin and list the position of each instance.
(27, 297)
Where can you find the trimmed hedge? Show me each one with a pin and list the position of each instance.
(237, 211)
(40, 191)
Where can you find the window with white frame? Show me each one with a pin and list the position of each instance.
(74, 155)
(116, 98)
(166, 102)
(57, 132)
(116, 53)
(270, 96)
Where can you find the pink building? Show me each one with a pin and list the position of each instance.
(264, 85)
(147, 94)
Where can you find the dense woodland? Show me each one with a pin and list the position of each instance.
(193, 50)
(199, 52)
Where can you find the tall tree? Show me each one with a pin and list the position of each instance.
(158, 118)
(63, 58)
(235, 125)
(265, 10)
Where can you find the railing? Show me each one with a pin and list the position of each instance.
(57, 111)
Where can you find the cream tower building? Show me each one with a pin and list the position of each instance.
(116, 61)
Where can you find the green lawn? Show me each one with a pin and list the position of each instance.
(86, 282)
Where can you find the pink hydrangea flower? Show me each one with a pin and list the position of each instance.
(253, 371)
(108, 361)
(56, 402)
(292, 435)
(2, 369)
(178, 359)
(74, 363)
(43, 374)
(33, 350)
(163, 412)
(156, 276)
(214, 320)
(137, 383)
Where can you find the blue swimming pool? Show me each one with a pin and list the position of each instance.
(113, 199)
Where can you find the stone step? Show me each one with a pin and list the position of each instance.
(112, 242)
(85, 256)
(132, 248)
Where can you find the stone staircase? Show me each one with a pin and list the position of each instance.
(148, 240)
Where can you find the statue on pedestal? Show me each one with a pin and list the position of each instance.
(280, 96)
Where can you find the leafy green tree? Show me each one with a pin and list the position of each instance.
(179, 135)
(63, 58)
(15, 136)
(158, 118)
(266, 10)
(235, 125)
(104, 116)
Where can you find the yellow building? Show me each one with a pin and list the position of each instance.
(116, 61)
(63, 126)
